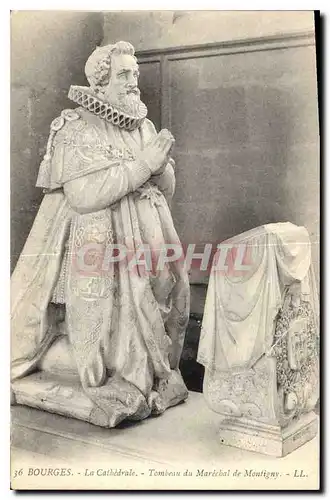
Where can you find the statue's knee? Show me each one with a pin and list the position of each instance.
(59, 358)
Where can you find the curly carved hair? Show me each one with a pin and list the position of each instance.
(98, 65)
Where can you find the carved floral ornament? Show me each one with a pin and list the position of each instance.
(296, 350)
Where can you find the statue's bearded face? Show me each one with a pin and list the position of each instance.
(122, 89)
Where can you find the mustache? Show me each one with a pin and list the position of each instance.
(133, 90)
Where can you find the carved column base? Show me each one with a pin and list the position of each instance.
(268, 439)
(254, 415)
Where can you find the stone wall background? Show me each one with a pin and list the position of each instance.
(246, 125)
(48, 54)
(164, 29)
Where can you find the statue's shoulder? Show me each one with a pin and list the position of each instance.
(73, 126)
(68, 119)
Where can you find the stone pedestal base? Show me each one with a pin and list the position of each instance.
(58, 394)
(107, 406)
(268, 439)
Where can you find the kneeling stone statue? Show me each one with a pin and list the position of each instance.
(99, 342)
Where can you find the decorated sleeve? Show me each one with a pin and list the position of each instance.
(166, 181)
(92, 174)
(105, 187)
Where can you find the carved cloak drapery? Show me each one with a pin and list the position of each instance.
(242, 304)
(122, 325)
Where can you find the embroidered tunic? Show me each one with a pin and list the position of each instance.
(124, 328)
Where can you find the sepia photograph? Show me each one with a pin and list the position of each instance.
(165, 250)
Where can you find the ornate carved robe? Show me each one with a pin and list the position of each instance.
(123, 329)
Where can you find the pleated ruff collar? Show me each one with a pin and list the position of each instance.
(85, 97)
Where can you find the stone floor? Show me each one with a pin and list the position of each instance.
(177, 450)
